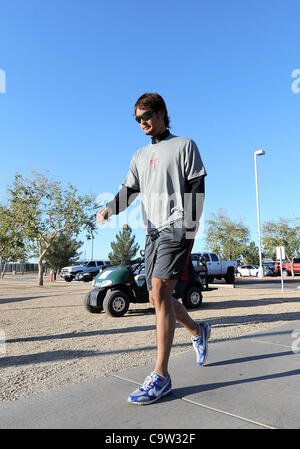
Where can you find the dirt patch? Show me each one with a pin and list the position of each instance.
(51, 340)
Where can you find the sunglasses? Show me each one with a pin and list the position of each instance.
(144, 116)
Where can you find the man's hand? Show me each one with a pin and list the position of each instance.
(103, 215)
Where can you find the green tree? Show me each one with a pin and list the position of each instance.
(63, 251)
(251, 254)
(124, 248)
(226, 237)
(283, 232)
(44, 208)
(13, 246)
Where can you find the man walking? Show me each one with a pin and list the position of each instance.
(169, 175)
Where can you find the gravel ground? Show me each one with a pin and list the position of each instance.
(51, 340)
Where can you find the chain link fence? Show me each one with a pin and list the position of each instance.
(19, 267)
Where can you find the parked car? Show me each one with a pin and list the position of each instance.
(269, 267)
(252, 270)
(216, 268)
(247, 270)
(91, 267)
(287, 268)
(87, 276)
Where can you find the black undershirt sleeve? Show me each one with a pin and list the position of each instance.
(123, 199)
(194, 186)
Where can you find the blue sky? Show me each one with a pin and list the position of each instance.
(74, 70)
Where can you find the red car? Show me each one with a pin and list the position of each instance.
(286, 267)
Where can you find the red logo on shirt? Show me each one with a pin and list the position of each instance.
(153, 162)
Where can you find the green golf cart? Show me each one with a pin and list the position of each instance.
(118, 286)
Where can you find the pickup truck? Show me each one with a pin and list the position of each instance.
(91, 266)
(287, 268)
(216, 268)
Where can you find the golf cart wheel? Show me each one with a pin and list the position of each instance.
(116, 303)
(192, 298)
(88, 307)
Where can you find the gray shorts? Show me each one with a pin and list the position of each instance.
(167, 254)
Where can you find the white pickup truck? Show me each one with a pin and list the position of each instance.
(216, 268)
(85, 266)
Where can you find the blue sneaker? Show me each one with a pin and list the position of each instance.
(200, 343)
(154, 387)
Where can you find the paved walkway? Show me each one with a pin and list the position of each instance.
(249, 383)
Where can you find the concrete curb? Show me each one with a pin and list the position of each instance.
(221, 285)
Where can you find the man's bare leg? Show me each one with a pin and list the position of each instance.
(165, 321)
(184, 318)
(168, 310)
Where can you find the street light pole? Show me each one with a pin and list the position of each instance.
(260, 270)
